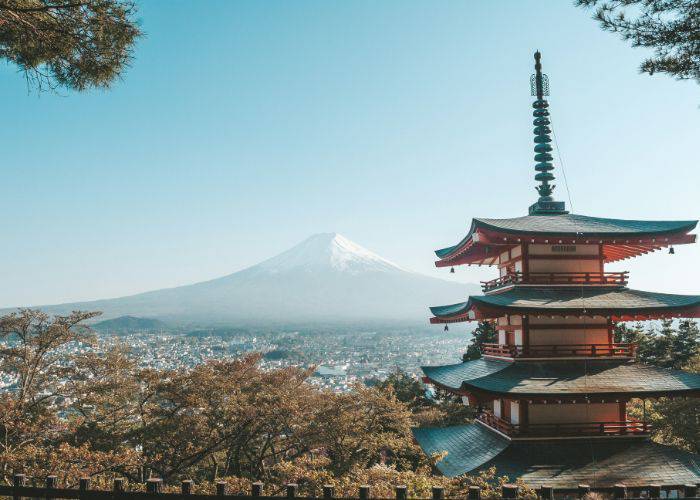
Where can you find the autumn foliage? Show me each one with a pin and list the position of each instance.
(76, 411)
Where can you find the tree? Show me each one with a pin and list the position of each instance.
(430, 408)
(685, 345)
(661, 343)
(669, 347)
(674, 421)
(75, 44)
(484, 333)
(364, 428)
(35, 356)
(32, 351)
(406, 389)
(105, 389)
(630, 334)
(670, 27)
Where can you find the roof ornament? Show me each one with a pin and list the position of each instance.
(539, 87)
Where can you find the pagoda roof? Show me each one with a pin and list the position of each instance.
(467, 446)
(562, 379)
(620, 303)
(563, 463)
(629, 237)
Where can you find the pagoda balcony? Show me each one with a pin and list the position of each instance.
(592, 278)
(608, 350)
(574, 429)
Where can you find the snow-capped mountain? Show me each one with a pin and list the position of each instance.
(325, 251)
(325, 278)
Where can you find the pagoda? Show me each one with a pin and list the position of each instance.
(551, 395)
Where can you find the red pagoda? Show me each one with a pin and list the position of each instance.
(552, 392)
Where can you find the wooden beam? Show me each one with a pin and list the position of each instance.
(562, 257)
(615, 248)
(565, 326)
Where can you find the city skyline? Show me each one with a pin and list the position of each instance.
(224, 145)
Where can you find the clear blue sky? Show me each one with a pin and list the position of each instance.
(243, 127)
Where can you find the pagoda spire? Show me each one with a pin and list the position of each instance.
(539, 86)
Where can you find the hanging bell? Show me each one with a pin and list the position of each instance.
(671, 251)
(447, 328)
(452, 270)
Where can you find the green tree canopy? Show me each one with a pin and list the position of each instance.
(671, 28)
(74, 44)
(669, 346)
(675, 421)
(484, 333)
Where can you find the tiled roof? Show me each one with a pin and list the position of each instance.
(570, 225)
(597, 462)
(620, 300)
(559, 463)
(562, 378)
(453, 376)
(467, 446)
(573, 225)
(444, 252)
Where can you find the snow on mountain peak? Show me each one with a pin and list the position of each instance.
(328, 250)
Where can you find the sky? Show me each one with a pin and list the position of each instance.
(241, 128)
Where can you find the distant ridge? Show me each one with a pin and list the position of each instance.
(129, 324)
(324, 279)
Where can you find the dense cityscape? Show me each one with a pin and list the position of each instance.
(339, 359)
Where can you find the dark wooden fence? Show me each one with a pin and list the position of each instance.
(154, 490)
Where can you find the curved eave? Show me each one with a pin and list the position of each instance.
(581, 226)
(476, 312)
(602, 463)
(562, 464)
(585, 396)
(617, 304)
(568, 396)
(452, 252)
(485, 241)
(562, 380)
(452, 377)
(467, 446)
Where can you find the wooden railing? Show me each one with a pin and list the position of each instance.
(627, 427)
(593, 278)
(154, 491)
(497, 423)
(560, 350)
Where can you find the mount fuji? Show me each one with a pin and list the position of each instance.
(324, 279)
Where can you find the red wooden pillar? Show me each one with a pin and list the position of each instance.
(510, 334)
(524, 416)
(505, 409)
(526, 334)
(611, 327)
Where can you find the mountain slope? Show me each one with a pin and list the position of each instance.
(325, 278)
(128, 324)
